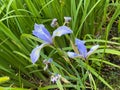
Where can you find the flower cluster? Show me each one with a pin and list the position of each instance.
(42, 33)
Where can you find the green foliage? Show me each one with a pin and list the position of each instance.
(4, 79)
(9, 88)
(91, 21)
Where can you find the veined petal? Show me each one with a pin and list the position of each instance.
(61, 31)
(81, 47)
(92, 50)
(41, 32)
(72, 54)
(36, 52)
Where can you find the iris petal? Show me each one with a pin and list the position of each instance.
(61, 31)
(72, 54)
(81, 47)
(41, 32)
(92, 50)
(36, 52)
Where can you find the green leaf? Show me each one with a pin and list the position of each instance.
(109, 51)
(60, 86)
(4, 79)
(92, 70)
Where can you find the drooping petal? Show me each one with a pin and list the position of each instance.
(81, 47)
(72, 54)
(41, 32)
(62, 30)
(54, 22)
(92, 50)
(36, 52)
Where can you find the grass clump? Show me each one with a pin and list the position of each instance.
(96, 23)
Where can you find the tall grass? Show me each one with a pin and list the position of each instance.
(91, 21)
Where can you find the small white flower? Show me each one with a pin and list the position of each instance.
(55, 77)
(54, 22)
(67, 19)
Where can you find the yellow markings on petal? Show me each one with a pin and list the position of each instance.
(58, 33)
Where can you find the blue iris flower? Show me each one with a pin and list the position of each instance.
(82, 50)
(42, 33)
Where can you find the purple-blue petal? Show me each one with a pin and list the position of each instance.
(36, 52)
(72, 54)
(62, 30)
(41, 32)
(92, 50)
(50, 60)
(81, 47)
